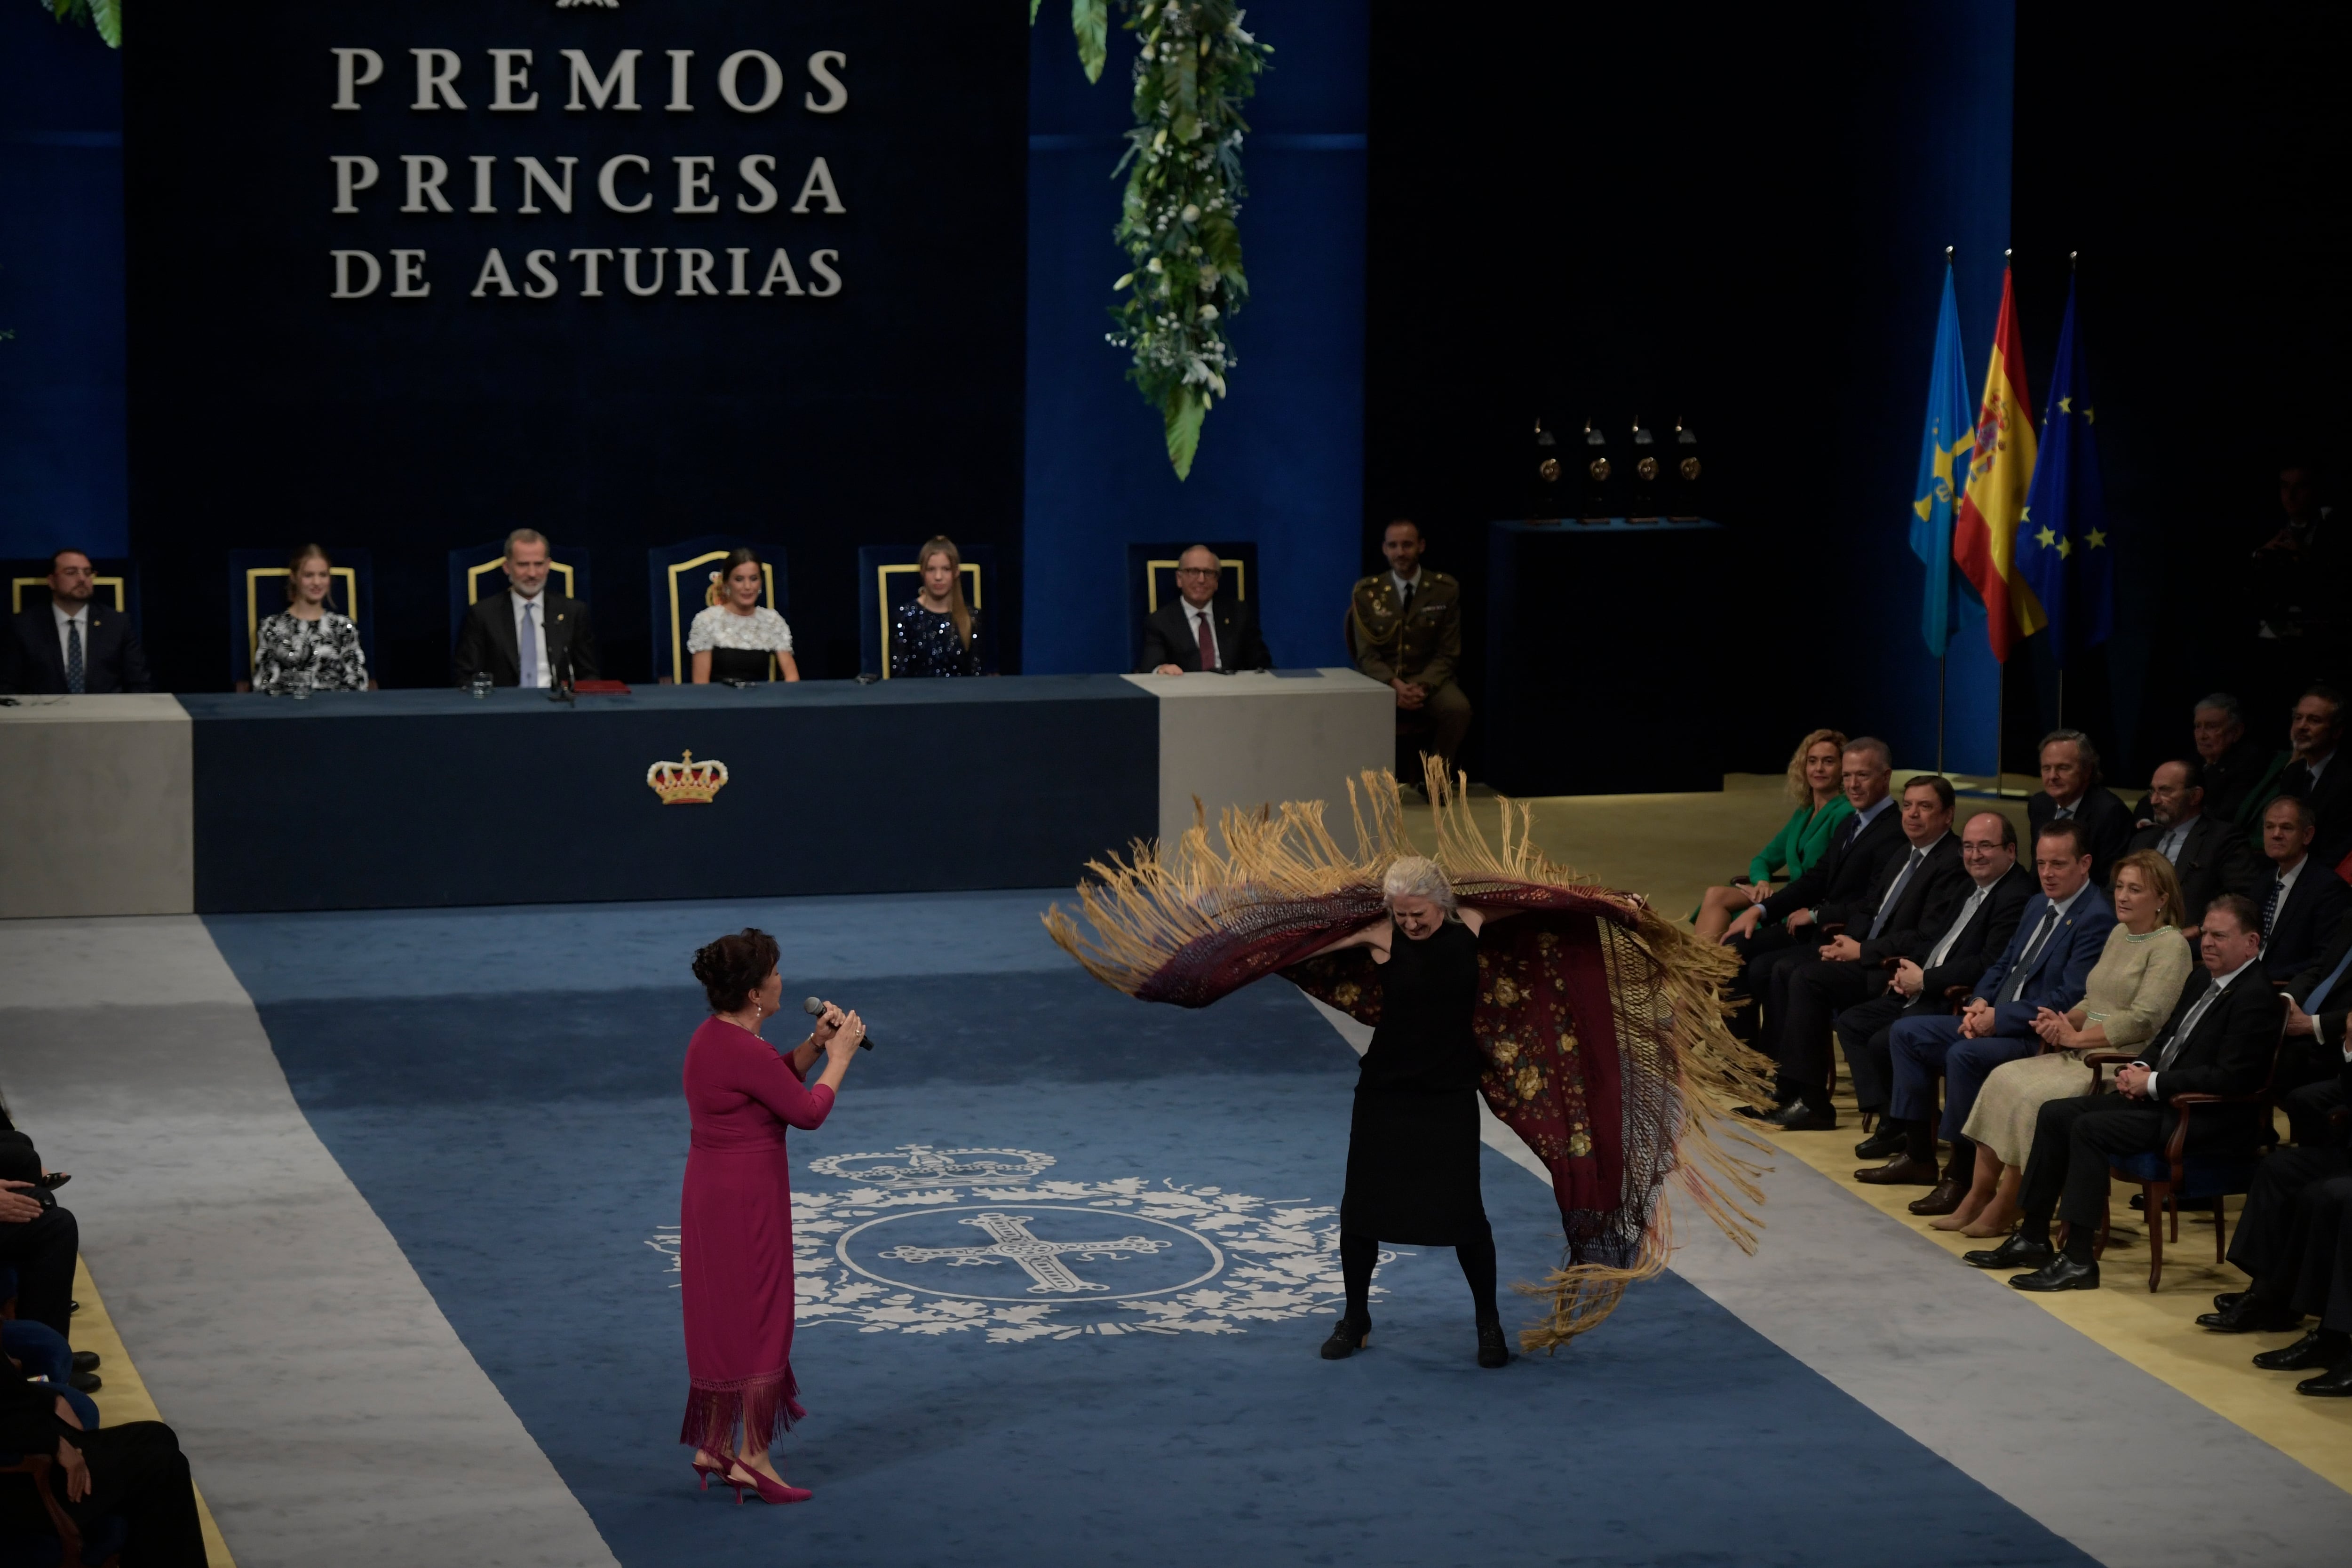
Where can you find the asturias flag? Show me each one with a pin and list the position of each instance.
(2062, 553)
(1944, 452)
(1984, 537)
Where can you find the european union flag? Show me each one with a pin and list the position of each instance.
(1944, 452)
(2063, 549)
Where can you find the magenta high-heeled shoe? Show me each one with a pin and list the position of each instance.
(770, 1491)
(707, 1472)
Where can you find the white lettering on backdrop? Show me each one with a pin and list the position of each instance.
(749, 82)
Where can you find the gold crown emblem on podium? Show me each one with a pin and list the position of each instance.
(687, 782)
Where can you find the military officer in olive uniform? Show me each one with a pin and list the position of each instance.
(1405, 627)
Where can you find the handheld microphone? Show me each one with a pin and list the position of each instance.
(814, 1008)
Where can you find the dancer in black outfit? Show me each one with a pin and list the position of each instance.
(1412, 1146)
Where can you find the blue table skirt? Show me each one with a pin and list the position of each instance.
(389, 799)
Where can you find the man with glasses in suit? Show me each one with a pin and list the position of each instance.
(71, 645)
(1200, 630)
(524, 635)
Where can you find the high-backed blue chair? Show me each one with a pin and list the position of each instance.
(475, 570)
(1152, 580)
(2181, 1172)
(256, 591)
(116, 578)
(889, 576)
(684, 577)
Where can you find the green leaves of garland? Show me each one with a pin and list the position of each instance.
(106, 16)
(1194, 66)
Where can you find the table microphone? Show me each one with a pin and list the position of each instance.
(814, 1008)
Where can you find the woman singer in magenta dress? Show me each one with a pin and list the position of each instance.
(735, 1221)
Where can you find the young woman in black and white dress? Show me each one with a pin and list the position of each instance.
(736, 636)
(308, 646)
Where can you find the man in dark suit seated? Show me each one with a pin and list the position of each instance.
(2302, 899)
(69, 643)
(2046, 965)
(2071, 792)
(2208, 855)
(1976, 933)
(524, 635)
(2221, 1039)
(1197, 630)
(1912, 899)
(2318, 1005)
(2237, 767)
(2315, 730)
(1778, 930)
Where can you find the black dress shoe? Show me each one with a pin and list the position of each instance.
(1945, 1197)
(2336, 1384)
(84, 1382)
(1492, 1349)
(85, 1360)
(2227, 1298)
(1900, 1171)
(1347, 1338)
(1882, 1144)
(2014, 1253)
(2317, 1348)
(1803, 1116)
(2249, 1314)
(53, 1180)
(2061, 1273)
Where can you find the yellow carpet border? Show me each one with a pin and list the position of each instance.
(124, 1397)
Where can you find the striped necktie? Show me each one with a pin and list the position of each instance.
(2270, 905)
(76, 671)
(2320, 992)
(2032, 954)
(1894, 894)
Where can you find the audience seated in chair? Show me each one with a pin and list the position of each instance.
(2219, 1041)
(2318, 1005)
(2072, 792)
(735, 637)
(2302, 899)
(134, 1473)
(1404, 629)
(1953, 957)
(1912, 900)
(936, 632)
(2315, 730)
(39, 1240)
(71, 644)
(308, 646)
(1783, 927)
(2059, 936)
(1200, 629)
(2131, 991)
(2207, 854)
(2239, 773)
(2295, 1242)
(1821, 806)
(525, 635)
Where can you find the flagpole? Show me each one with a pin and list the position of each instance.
(1940, 660)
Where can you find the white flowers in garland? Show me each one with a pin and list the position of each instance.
(1194, 65)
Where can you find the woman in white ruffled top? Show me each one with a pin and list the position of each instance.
(736, 636)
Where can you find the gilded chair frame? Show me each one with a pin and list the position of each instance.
(474, 576)
(882, 575)
(678, 667)
(1152, 580)
(17, 587)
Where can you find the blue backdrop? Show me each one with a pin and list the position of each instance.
(1282, 461)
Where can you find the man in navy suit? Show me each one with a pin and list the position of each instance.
(69, 643)
(2046, 965)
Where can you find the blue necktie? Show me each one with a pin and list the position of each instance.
(529, 642)
(2026, 959)
(2319, 992)
(1894, 893)
(77, 673)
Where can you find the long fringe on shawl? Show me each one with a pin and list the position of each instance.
(1144, 912)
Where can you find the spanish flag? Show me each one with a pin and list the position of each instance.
(1984, 536)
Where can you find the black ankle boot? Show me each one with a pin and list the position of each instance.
(1493, 1349)
(1349, 1335)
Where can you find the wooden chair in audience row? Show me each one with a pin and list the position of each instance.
(101, 1548)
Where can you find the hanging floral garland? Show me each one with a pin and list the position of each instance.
(1194, 65)
(106, 16)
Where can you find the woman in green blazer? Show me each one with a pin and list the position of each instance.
(1822, 804)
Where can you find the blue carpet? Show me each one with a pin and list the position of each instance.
(522, 1137)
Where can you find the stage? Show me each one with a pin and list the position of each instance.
(385, 1200)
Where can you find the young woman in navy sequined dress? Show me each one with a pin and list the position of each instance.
(936, 632)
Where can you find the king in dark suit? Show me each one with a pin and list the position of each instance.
(2047, 964)
(2219, 1041)
(69, 643)
(1911, 901)
(1199, 629)
(523, 635)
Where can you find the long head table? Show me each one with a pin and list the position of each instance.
(220, 804)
